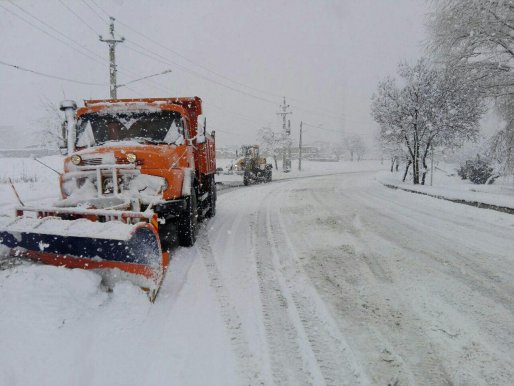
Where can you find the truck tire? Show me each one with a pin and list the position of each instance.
(269, 176)
(188, 222)
(167, 235)
(246, 179)
(212, 199)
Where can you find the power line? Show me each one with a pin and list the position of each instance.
(49, 75)
(163, 59)
(52, 28)
(94, 11)
(53, 36)
(48, 34)
(78, 16)
(319, 127)
(100, 60)
(156, 56)
(168, 61)
(197, 64)
(312, 111)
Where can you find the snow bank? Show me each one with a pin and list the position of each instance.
(60, 327)
(453, 188)
(49, 321)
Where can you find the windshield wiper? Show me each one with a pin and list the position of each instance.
(149, 140)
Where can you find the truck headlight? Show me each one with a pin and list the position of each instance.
(75, 159)
(131, 157)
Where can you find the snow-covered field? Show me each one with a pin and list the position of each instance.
(33, 181)
(325, 280)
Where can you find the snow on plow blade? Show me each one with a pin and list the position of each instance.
(116, 249)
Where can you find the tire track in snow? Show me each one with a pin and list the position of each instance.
(392, 326)
(475, 275)
(249, 368)
(424, 323)
(335, 357)
(309, 330)
(288, 365)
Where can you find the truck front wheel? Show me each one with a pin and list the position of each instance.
(188, 222)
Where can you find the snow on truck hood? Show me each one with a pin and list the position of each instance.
(121, 107)
(109, 144)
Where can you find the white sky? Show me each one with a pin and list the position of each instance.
(326, 57)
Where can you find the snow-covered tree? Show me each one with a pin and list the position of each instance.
(50, 133)
(338, 149)
(271, 143)
(432, 107)
(355, 146)
(477, 36)
(501, 150)
(394, 151)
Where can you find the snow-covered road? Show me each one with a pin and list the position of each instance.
(325, 280)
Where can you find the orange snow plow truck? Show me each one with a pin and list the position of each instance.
(138, 177)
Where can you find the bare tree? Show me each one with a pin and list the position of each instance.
(434, 106)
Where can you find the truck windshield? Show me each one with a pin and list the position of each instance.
(154, 127)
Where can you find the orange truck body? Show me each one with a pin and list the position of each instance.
(163, 160)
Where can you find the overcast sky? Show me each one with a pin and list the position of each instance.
(325, 56)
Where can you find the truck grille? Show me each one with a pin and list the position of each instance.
(100, 161)
(91, 161)
(123, 161)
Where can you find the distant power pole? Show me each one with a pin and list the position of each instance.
(286, 132)
(300, 148)
(112, 57)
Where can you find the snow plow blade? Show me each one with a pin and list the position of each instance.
(116, 250)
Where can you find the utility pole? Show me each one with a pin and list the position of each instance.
(112, 57)
(286, 133)
(300, 148)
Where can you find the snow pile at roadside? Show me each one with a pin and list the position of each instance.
(453, 188)
(61, 327)
(46, 315)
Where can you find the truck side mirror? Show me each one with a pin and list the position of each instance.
(201, 124)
